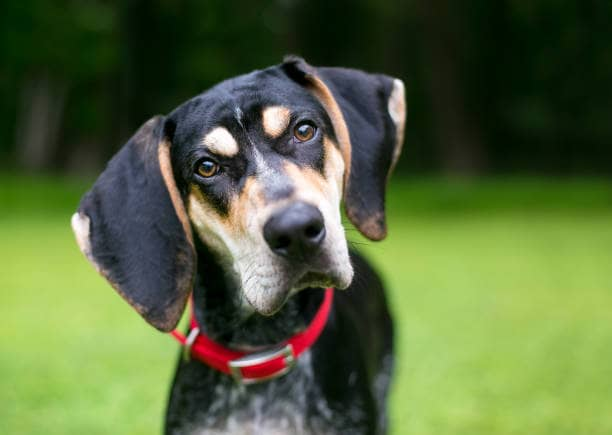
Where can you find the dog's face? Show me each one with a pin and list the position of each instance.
(257, 166)
(261, 175)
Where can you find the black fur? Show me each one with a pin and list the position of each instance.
(139, 244)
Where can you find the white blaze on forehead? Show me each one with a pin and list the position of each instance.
(238, 115)
(220, 141)
(275, 120)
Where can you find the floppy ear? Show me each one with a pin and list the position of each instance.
(132, 226)
(368, 114)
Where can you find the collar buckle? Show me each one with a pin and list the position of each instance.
(255, 359)
(191, 338)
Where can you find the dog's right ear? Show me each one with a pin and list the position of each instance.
(133, 227)
(368, 113)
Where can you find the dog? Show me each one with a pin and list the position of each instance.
(234, 197)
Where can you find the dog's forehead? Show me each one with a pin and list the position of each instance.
(266, 99)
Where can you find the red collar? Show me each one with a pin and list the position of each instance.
(254, 367)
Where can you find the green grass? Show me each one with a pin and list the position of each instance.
(501, 290)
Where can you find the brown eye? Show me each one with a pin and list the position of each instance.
(207, 168)
(304, 131)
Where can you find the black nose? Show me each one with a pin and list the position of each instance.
(296, 231)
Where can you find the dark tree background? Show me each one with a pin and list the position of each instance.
(492, 86)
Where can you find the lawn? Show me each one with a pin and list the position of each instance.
(501, 291)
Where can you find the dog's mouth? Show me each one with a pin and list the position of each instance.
(268, 298)
(269, 278)
(314, 279)
(321, 279)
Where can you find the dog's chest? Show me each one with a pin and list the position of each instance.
(262, 414)
(294, 406)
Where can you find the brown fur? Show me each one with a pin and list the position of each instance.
(327, 100)
(165, 167)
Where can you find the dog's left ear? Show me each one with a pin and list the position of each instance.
(368, 114)
(133, 227)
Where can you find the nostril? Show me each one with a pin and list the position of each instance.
(282, 242)
(312, 231)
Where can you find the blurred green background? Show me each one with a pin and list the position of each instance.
(500, 211)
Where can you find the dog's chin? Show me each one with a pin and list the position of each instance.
(324, 279)
(268, 301)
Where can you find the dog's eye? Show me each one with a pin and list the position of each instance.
(304, 131)
(207, 168)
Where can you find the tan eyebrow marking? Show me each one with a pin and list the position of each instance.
(275, 120)
(220, 141)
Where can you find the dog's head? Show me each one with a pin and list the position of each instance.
(257, 167)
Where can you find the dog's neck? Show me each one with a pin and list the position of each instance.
(222, 316)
